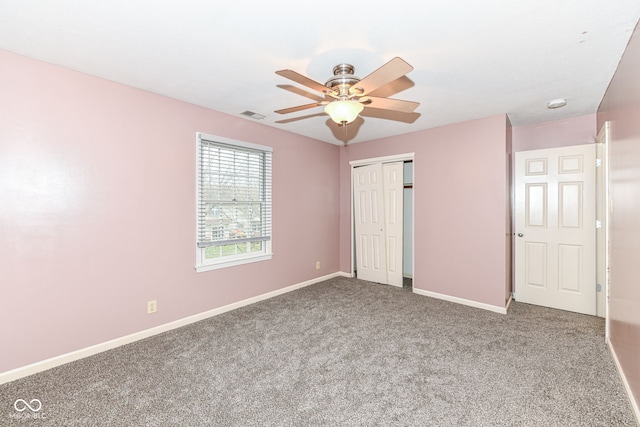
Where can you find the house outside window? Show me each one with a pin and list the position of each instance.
(233, 213)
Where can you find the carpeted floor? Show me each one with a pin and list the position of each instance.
(343, 353)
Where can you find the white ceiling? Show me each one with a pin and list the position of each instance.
(472, 59)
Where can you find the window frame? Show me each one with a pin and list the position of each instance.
(204, 264)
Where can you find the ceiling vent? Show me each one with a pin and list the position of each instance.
(253, 115)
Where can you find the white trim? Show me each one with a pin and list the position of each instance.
(604, 138)
(232, 262)
(627, 387)
(245, 144)
(385, 159)
(470, 303)
(62, 359)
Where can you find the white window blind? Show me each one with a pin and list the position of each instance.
(234, 200)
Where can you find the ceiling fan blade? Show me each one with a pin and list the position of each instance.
(396, 116)
(299, 108)
(298, 91)
(391, 104)
(389, 72)
(298, 118)
(303, 80)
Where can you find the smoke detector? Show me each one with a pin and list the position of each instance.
(556, 103)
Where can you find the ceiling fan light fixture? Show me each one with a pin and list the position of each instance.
(342, 111)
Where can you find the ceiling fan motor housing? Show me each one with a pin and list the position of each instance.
(342, 80)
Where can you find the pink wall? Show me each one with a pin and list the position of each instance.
(557, 133)
(621, 106)
(97, 211)
(460, 200)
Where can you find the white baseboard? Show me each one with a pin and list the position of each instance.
(470, 303)
(627, 387)
(43, 365)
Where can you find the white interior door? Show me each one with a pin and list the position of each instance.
(555, 247)
(369, 223)
(393, 186)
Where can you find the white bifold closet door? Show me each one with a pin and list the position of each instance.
(378, 209)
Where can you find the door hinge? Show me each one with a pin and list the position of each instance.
(598, 163)
(598, 287)
(598, 223)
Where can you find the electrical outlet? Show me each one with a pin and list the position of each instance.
(317, 265)
(151, 307)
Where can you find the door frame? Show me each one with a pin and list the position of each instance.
(603, 210)
(405, 157)
(603, 206)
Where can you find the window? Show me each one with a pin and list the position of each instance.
(233, 213)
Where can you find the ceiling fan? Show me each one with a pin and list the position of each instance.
(347, 95)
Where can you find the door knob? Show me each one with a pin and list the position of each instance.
(520, 234)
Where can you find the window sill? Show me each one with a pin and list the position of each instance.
(232, 263)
